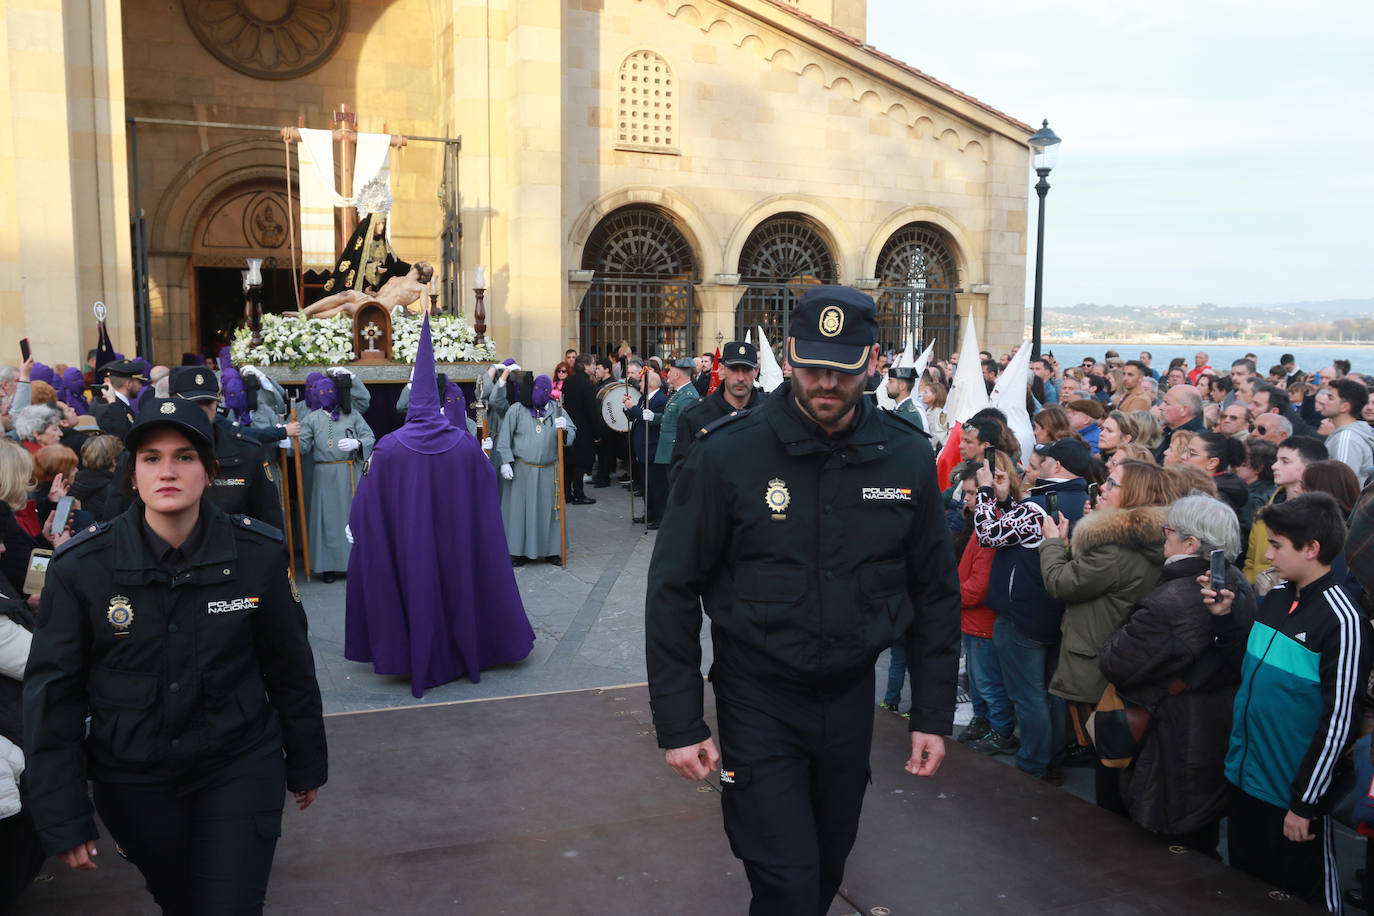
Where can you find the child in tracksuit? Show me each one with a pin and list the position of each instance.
(1302, 678)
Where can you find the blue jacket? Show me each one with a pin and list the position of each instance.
(1016, 588)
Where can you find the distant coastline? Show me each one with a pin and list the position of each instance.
(1161, 340)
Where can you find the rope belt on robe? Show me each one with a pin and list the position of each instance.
(530, 464)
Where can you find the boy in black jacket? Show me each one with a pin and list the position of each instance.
(1303, 672)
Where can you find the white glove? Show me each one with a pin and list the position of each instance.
(342, 369)
(648, 414)
(487, 444)
(348, 533)
(561, 422)
(251, 370)
(348, 445)
(507, 473)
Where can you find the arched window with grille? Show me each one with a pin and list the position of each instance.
(782, 256)
(646, 113)
(642, 290)
(917, 279)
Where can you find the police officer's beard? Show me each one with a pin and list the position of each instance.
(826, 414)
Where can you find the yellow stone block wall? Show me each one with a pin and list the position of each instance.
(65, 240)
(769, 124)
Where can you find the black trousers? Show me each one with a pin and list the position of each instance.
(1255, 840)
(606, 455)
(794, 768)
(207, 851)
(656, 492)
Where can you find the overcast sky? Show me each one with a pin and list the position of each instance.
(1214, 150)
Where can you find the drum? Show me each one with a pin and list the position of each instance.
(613, 405)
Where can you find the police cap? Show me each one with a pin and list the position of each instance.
(833, 327)
(903, 372)
(186, 417)
(193, 383)
(123, 368)
(739, 353)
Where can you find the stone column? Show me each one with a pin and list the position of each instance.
(65, 242)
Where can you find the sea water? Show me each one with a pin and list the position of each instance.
(1310, 359)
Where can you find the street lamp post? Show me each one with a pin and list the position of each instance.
(1045, 152)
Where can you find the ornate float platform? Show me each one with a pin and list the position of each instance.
(378, 347)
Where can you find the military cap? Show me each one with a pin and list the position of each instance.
(686, 363)
(739, 353)
(833, 327)
(193, 383)
(185, 416)
(902, 372)
(123, 368)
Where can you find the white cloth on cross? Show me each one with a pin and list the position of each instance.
(318, 197)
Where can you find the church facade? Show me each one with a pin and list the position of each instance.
(665, 173)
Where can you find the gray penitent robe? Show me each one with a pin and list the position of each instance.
(335, 478)
(498, 402)
(529, 503)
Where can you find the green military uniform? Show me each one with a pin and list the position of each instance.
(908, 411)
(683, 398)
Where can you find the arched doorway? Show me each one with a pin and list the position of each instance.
(246, 221)
(917, 279)
(642, 289)
(782, 257)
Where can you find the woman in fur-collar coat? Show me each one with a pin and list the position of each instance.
(1113, 559)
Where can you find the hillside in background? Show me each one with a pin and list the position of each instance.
(1335, 319)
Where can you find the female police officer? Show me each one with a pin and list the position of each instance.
(178, 628)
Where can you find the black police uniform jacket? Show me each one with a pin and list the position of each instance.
(181, 675)
(811, 556)
(246, 483)
(697, 417)
(115, 418)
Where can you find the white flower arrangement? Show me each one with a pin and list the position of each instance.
(296, 341)
(454, 339)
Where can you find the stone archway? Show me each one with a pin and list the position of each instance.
(246, 220)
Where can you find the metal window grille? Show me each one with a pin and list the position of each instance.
(642, 291)
(782, 257)
(917, 280)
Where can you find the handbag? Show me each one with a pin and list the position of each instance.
(1117, 729)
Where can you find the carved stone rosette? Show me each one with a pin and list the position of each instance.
(268, 39)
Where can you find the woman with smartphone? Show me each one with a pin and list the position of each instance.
(1165, 657)
(178, 628)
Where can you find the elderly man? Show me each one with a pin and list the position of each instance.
(1235, 422)
(1200, 365)
(1273, 428)
(1086, 414)
(1182, 409)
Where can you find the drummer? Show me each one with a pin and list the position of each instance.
(738, 377)
(611, 443)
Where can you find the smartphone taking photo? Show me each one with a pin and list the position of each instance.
(61, 515)
(1218, 570)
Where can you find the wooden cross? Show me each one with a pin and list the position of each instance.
(372, 332)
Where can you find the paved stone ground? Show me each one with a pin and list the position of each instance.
(588, 620)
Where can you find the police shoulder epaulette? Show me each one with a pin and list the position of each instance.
(894, 417)
(723, 421)
(261, 527)
(85, 534)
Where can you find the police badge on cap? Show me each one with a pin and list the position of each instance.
(739, 353)
(833, 327)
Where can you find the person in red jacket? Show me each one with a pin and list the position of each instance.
(992, 729)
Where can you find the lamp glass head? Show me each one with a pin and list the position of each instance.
(254, 274)
(1044, 147)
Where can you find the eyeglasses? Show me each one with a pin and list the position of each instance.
(1166, 529)
(1110, 484)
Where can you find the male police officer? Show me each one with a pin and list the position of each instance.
(739, 371)
(122, 381)
(811, 530)
(901, 382)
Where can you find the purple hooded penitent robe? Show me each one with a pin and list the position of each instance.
(431, 592)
